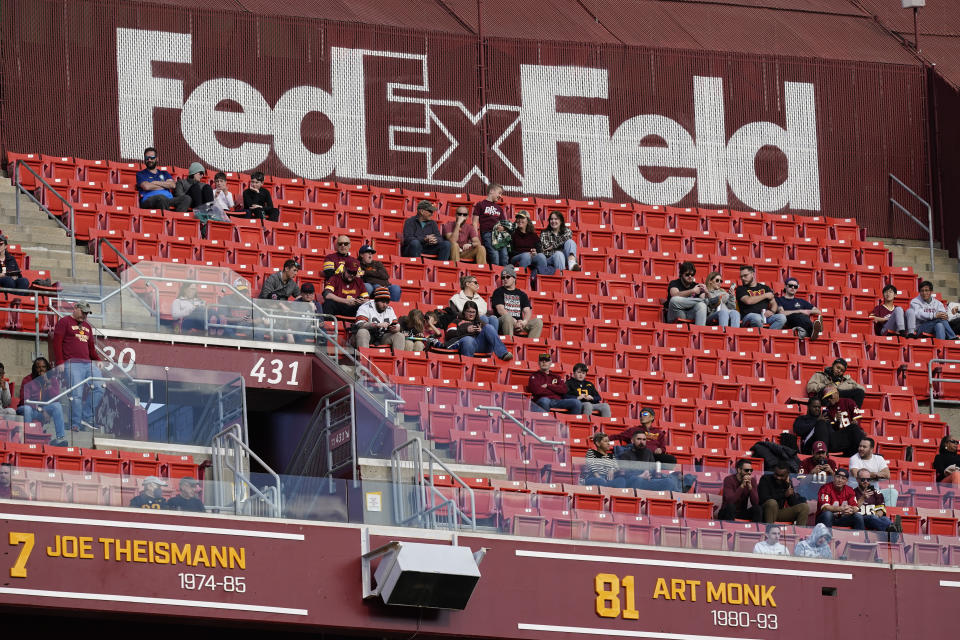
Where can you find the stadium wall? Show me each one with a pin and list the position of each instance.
(443, 110)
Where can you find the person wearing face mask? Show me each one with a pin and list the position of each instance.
(151, 494)
(156, 186)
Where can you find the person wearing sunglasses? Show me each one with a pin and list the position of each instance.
(464, 239)
(799, 312)
(333, 262)
(721, 305)
(513, 307)
(947, 462)
(156, 185)
(837, 503)
(871, 504)
(10, 274)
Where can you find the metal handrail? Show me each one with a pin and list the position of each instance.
(66, 392)
(926, 227)
(68, 205)
(423, 481)
(525, 428)
(241, 481)
(931, 380)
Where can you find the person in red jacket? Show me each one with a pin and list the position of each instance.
(74, 346)
(548, 389)
(837, 503)
(739, 490)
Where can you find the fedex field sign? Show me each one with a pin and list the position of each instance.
(714, 161)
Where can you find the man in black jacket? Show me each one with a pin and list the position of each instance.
(779, 501)
(639, 467)
(583, 390)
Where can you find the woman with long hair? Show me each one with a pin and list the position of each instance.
(40, 386)
(557, 244)
(721, 306)
(525, 248)
(947, 461)
(468, 334)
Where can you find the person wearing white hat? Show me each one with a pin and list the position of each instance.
(151, 495)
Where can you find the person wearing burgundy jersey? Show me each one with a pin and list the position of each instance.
(39, 386)
(333, 262)
(344, 292)
(487, 214)
(888, 318)
(74, 346)
(837, 503)
(464, 239)
(548, 389)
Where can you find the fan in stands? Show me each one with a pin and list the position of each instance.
(10, 275)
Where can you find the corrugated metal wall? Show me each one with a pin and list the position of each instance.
(569, 110)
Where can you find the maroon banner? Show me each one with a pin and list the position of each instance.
(309, 574)
(367, 104)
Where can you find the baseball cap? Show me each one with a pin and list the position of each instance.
(426, 204)
(154, 480)
(521, 214)
(793, 280)
(307, 287)
(366, 249)
(381, 293)
(545, 357)
(508, 271)
(819, 447)
(188, 480)
(351, 265)
(83, 306)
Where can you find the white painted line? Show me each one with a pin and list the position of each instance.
(248, 533)
(949, 583)
(172, 602)
(624, 633)
(660, 562)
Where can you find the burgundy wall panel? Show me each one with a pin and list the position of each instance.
(423, 109)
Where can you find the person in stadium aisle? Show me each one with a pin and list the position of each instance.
(7, 490)
(525, 247)
(199, 191)
(946, 463)
(187, 499)
(685, 297)
(798, 311)
(779, 499)
(837, 503)
(42, 387)
(548, 389)
(156, 186)
(421, 235)
(375, 274)
(887, 317)
(871, 505)
(10, 275)
(757, 302)
(469, 335)
(377, 322)
(771, 545)
(638, 467)
(470, 290)
(189, 308)
(464, 239)
(151, 495)
(865, 458)
(74, 346)
(488, 215)
(257, 201)
(928, 315)
(308, 293)
(221, 194)
(656, 436)
(817, 545)
(6, 393)
(333, 262)
(513, 308)
(740, 498)
(282, 284)
(600, 468)
(721, 305)
(836, 375)
(583, 390)
(344, 293)
(557, 244)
